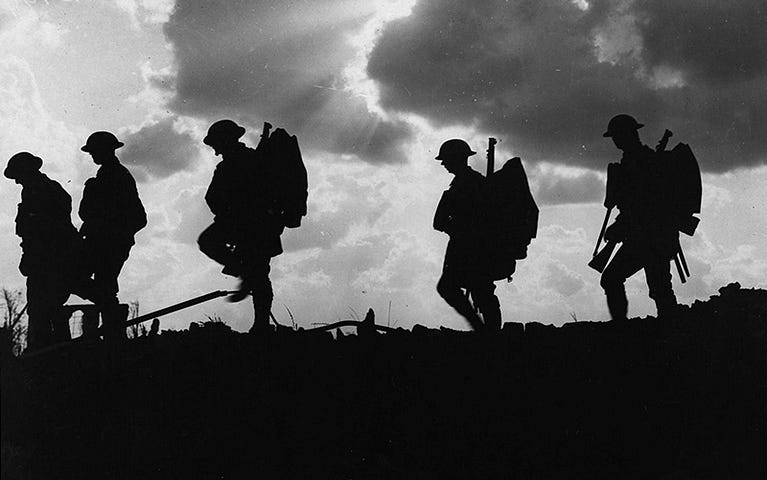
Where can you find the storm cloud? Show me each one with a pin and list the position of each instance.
(554, 188)
(158, 150)
(549, 74)
(279, 61)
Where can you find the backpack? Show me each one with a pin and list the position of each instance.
(287, 171)
(511, 218)
(684, 186)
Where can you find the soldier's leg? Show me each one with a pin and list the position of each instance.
(214, 242)
(113, 317)
(625, 264)
(450, 290)
(107, 270)
(658, 275)
(60, 318)
(90, 321)
(261, 290)
(39, 313)
(483, 295)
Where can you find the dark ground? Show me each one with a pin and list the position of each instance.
(676, 399)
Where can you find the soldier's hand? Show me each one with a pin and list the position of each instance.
(614, 233)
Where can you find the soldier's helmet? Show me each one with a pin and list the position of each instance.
(454, 148)
(622, 123)
(223, 131)
(101, 142)
(20, 163)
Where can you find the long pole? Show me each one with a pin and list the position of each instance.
(179, 306)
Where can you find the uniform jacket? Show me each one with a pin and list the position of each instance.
(458, 215)
(242, 197)
(111, 209)
(44, 223)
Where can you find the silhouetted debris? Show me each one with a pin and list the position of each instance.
(367, 327)
(730, 289)
(513, 328)
(155, 328)
(647, 398)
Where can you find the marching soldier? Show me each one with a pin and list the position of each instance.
(48, 242)
(112, 213)
(457, 215)
(245, 233)
(645, 225)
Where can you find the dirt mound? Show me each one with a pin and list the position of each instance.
(679, 398)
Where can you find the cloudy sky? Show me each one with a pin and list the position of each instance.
(372, 88)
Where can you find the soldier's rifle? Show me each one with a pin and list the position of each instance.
(491, 156)
(599, 259)
(679, 260)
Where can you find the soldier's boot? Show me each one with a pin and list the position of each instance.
(471, 316)
(487, 303)
(260, 320)
(90, 322)
(667, 307)
(262, 308)
(467, 311)
(492, 319)
(114, 317)
(243, 290)
(455, 297)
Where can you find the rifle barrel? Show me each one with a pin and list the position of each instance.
(491, 155)
(602, 231)
(679, 269)
(684, 262)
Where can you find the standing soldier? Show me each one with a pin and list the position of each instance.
(48, 242)
(112, 213)
(645, 225)
(457, 215)
(245, 233)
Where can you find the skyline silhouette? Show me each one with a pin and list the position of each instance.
(370, 153)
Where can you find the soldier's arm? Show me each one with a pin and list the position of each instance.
(86, 209)
(215, 196)
(617, 231)
(131, 210)
(61, 203)
(441, 215)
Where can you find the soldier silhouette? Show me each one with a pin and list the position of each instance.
(458, 215)
(245, 233)
(645, 225)
(112, 213)
(49, 246)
